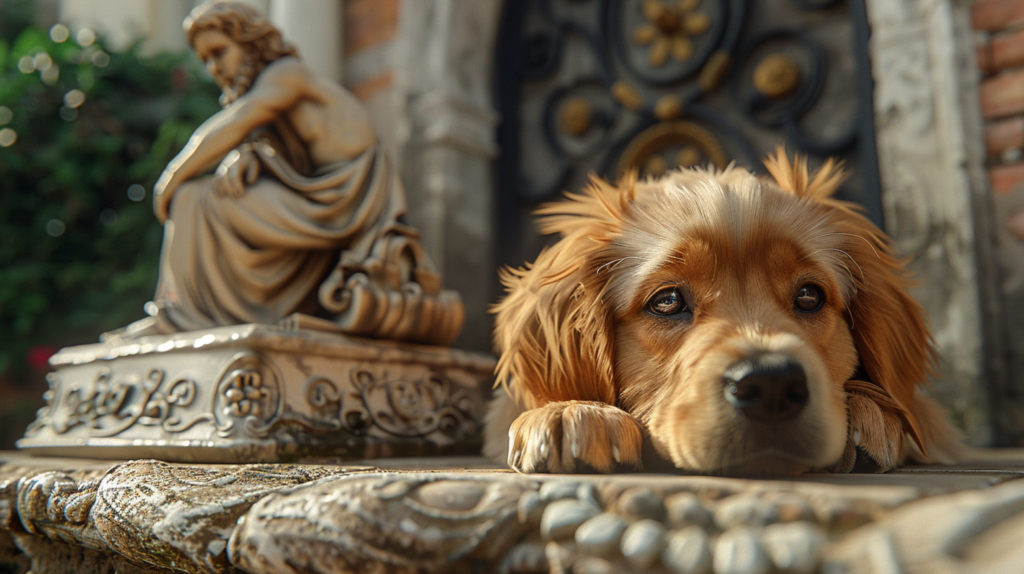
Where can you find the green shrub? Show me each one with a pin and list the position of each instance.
(78, 240)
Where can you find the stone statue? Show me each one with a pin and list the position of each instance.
(302, 221)
(295, 242)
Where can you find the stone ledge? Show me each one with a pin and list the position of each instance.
(67, 515)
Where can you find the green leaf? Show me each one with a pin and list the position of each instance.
(64, 275)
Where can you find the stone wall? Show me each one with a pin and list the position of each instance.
(934, 193)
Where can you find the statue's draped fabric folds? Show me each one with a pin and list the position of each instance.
(330, 245)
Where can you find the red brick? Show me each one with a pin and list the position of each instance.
(1002, 95)
(994, 15)
(368, 23)
(1006, 51)
(1004, 134)
(1015, 225)
(1003, 178)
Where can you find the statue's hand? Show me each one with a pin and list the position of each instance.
(239, 168)
(162, 193)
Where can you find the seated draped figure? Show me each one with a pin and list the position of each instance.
(302, 222)
(733, 324)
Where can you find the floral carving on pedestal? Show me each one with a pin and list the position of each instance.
(243, 394)
(247, 392)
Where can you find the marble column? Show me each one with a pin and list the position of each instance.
(315, 27)
(443, 82)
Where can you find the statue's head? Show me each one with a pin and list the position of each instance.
(235, 42)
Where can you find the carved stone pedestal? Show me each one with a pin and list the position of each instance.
(259, 393)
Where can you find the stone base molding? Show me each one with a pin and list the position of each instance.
(258, 393)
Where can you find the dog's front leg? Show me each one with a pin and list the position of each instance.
(575, 436)
(875, 429)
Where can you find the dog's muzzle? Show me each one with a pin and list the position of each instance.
(767, 387)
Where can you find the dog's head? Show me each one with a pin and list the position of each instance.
(729, 314)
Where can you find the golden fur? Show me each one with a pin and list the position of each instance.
(590, 371)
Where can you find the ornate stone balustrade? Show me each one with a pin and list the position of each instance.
(457, 515)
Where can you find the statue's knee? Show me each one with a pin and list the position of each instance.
(191, 195)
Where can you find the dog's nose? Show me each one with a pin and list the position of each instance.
(767, 387)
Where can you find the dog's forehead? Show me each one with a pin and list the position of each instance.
(731, 210)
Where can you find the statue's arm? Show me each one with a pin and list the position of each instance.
(278, 88)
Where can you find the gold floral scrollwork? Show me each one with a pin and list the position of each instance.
(668, 29)
(776, 75)
(627, 95)
(576, 116)
(668, 107)
(686, 143)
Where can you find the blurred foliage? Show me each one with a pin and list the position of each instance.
(78, 240)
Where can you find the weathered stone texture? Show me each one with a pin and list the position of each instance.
(155, 517)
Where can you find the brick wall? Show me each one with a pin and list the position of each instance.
(1000, 27)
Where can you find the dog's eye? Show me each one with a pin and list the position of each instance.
(809, 299)
(667, 302)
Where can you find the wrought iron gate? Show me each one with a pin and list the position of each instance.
(607, 85)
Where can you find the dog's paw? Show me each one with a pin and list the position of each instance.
(574, 436)
(875, 441)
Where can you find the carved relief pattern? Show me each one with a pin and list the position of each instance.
(656, 63)
(607, 86)
(248, 394)
(419, 525)
(161, 517)
(396, 406)
(153, 513)
(111, 405)
(221, 400)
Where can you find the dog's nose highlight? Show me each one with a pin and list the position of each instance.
(767, 387)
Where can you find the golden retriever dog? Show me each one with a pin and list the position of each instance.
(741, 325)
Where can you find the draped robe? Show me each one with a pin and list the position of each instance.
(329, 246)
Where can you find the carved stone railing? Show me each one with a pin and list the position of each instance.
(61, 515)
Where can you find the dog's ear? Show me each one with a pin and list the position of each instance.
(794, 177)
(888, 325)
(553, 330)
